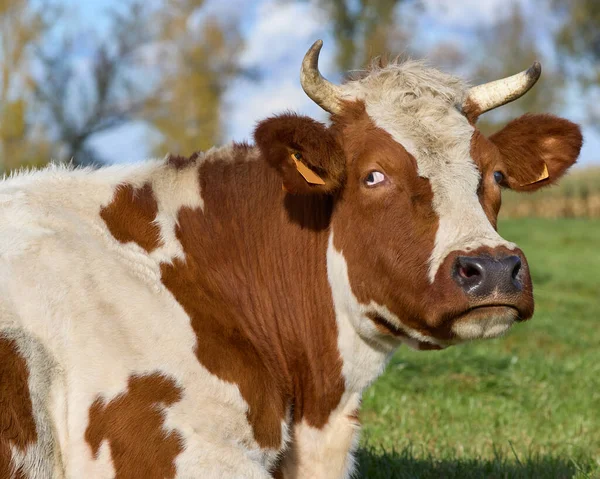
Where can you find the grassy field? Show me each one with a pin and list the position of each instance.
(523, 406)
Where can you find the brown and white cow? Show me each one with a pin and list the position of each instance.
(221, 315)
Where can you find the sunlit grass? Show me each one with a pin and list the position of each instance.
(526, 405)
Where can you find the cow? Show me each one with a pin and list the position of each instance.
(220, 315)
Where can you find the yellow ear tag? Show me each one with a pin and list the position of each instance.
(543, 176)
(309, 175)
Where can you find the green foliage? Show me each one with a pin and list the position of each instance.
(578, 44)
(365, 29)
(521, 406)
(508, 47)
(200, 65)
(21, 26)
(180, 93)
(579, 35)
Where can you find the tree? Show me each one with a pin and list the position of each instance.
(109, 94)
(365, 29)
(578, 44)
(200, 58)
(579, 35)
(505, 48)
(21, 142)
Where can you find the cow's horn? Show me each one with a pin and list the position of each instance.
(321, 91)
(486, 97)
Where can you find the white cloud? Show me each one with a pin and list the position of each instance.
(276, 43)
(227, 10)
(280, 30)
(253, 103)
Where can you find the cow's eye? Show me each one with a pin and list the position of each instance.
(499, 177)
(374, 178)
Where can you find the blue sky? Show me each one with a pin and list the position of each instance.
(277, 35)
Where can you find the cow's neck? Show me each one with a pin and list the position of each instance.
(255, 282)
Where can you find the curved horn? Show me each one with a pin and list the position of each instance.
(486, 97)
(321, 91)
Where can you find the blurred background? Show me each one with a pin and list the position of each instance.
(115, 81)
(120, 80)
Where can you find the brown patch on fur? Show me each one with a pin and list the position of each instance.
(254, 283)
(471, 110)
(388, 329)
(428, 347)
(132, 423)
(529, 141)
(277, 473)
(17, 424)
(281, 136)
(130, 216)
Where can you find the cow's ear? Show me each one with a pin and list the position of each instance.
(304, 152)
(537, 150)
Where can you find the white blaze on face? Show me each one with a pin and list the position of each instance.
(454, 179)
(419, 108)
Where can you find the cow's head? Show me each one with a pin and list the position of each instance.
(417, 189)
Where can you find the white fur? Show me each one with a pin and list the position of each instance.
(100, 311)
(325, 453)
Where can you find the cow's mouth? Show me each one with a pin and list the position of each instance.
(485, 321)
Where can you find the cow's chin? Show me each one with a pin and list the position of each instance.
(484, 322)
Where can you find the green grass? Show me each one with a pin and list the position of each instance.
(523, 406)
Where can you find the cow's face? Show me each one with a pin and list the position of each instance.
(414, 252)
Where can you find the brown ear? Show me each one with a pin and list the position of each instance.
(303, 151)
(537, 150)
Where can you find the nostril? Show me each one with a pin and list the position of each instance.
(468, 271)
(516, 266)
